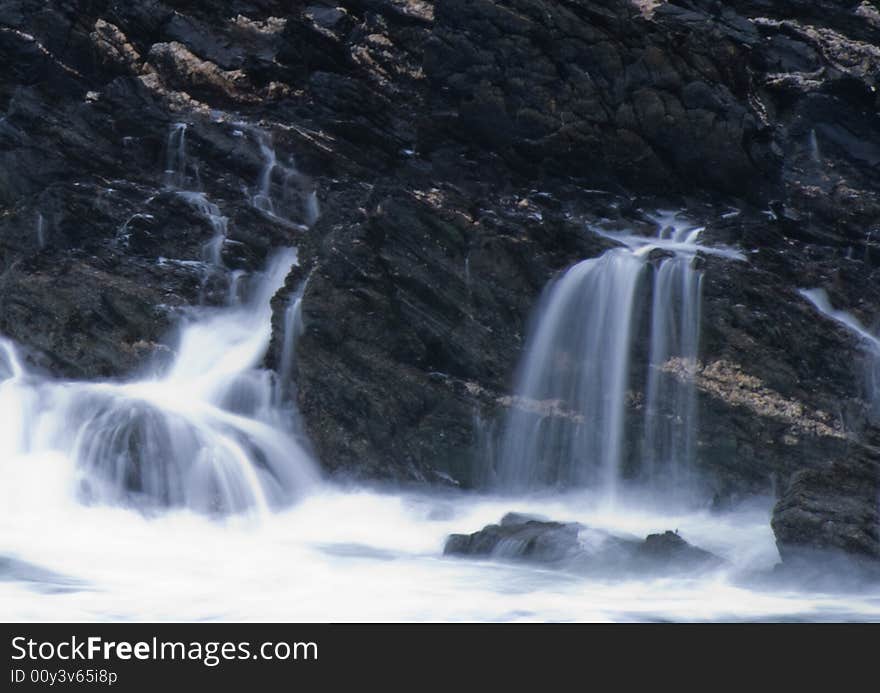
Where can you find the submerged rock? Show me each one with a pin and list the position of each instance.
(576, 546)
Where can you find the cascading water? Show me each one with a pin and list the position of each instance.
(201, 434)
(211, 431)
(292, 329)
(670, 402)
(567, 426)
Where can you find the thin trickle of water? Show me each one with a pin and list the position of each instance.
(41, 231)
(262, 197)
(870, 342)
(235, 281)
(281, 191)
(291, 330)
(568, 421)
(175, 157)
(815, 152)
(123, 235)
(212, 252)
(312, 208)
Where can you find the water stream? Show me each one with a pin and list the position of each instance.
(568, 426)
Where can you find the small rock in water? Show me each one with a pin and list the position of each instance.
(519, 536)
(535, 539)
(668, 549)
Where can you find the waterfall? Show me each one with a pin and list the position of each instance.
(312, 208)
(569, 429)
(870, 343)
(202, 434)
(815, 152)
(567, 425)
(211, 430)
(670, 402)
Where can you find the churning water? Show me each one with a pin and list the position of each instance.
(368, 555)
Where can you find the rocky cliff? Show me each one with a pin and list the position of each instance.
(459, 150)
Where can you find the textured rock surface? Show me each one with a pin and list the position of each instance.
(458, 149)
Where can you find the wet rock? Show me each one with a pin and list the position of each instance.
(670, 550)
(577, 547)
(831, 509)
(519, 537)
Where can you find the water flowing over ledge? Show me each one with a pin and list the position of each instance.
(210, 430)
(202, 432)
(578, 361)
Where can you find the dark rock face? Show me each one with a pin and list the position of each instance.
(456, 149)
(830, 508)
(652, 102)
(522, 537)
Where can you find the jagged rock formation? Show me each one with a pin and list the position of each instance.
(458, 149)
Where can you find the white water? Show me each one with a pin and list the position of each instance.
(568, 423)
(369, 555)
(200, 433)
(335, 554)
